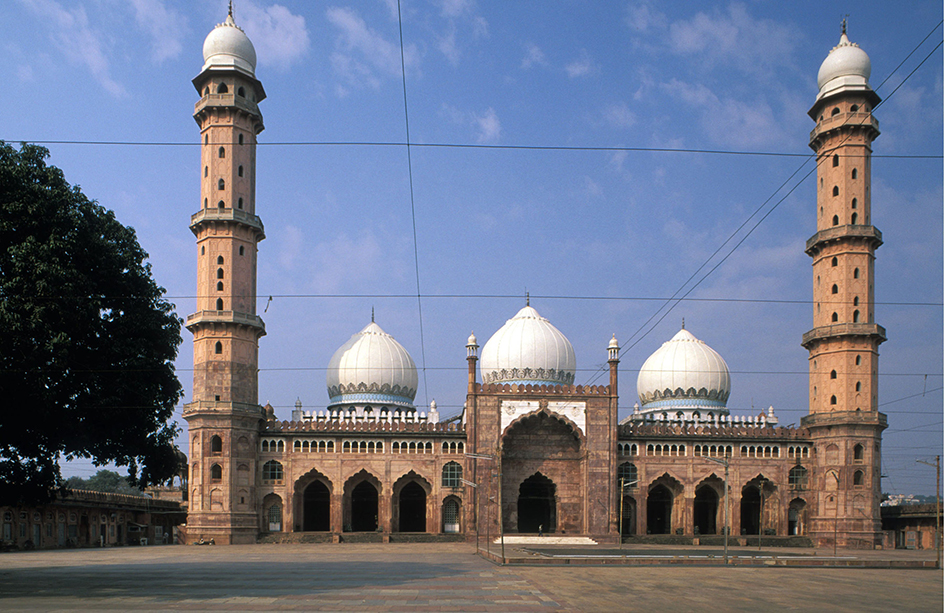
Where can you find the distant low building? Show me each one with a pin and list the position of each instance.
(909, 526)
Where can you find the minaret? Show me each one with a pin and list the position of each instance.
(844, 420)
(224, 416)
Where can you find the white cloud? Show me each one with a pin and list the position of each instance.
(730, 121)
(362, 56)
(77, 40)
(619, 115)
(447, 45)
(24, 72)
(533, 56)
(279, 36)
(580, 67)
(455, 8)
(489, 126)
(166, 28)
(641, 17)
(346, 262)
(290, 246)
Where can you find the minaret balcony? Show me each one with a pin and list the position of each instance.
(211, 408)
(237, 318)
(227, 216)
(873, 331)
(217, 100)
(868, 233)
(844, 120)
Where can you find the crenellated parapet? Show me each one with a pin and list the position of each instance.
(561, 390)
(635, 430)
(362, 426)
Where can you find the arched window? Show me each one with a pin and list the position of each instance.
(451, 474)
(221, 205)
(272, 472)
(854, 108)
(206, 171)
(835, 262)
(835, 289)
(240, 201)
(203, 250)
(241, 92)
(216, 473)
(832, 374)
(206, 203)
(858, 478)
(855, 301)
(835, 161)
(239, 171)
(219, 304)
(627, 475)
(219, 260)
(206, 91)
(241, 250)
(858, 386)
(219, 273)
(855, 273)
(240, 139)
(858, 360)
(221, 184)
(216, 444)
(855, 203)
(835, 190)
(206, 139)
(855, 218)
(835, 112)
(219, 346)
(835, 217)
(858, 453)
(855, 173)
(219, 286)
(798, 478)
(222, 152)
(855, 316)
(222, 89)
(835, 317)
(832, 400)
(275, 518)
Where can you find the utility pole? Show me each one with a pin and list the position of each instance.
(760, 518)
(937, 512)
(623, 485)
(723, 462)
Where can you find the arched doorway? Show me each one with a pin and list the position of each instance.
(796, 517)
(659, 510)
(412, 508)
(537, 507)
(364, 507)
(706, 510)
(451, 515)
(629, 515)
(750, 510)
(317, 509)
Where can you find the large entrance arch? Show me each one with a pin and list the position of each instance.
(412, 507)
(659, 510)
(750, 510)
(316, 516)
(706, 510)
(537, 505)
(364, 507)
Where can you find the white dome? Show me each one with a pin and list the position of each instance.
(847, 62)
(227, 46)
(372, 368)
(684, 373)
(528, 349)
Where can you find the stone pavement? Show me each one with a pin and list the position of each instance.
(427, 577)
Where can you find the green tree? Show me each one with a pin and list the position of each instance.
(103, 481)
(87, 341)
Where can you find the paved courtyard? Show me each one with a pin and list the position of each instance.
(427, 577)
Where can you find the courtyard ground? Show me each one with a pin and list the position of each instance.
(433, 577)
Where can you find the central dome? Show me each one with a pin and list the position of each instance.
(227, 46)
(846, 64)
(372, 368)
(528, 349)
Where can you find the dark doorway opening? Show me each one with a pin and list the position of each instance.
(750, 510)
(629, 516)
(412, 508)
(706, 510)
(659, 510)
(537, 509)
(317, 501)
(364, 508)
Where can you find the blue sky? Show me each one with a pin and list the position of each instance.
(600, 238)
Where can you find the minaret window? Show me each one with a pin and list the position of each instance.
(835, 289)
(855, 173)
(835, 262)
(855, 301)
(855, 203)
(219, 304)
(832, 400)
(835, 161)
(222, 152)
(832, 374)
(241, 92)
(221, 205)
(858, 479)
(240, 139)
(206, 203)
(206, 139)
(219, 348)
(858, 360)
(216, 444)
(855, 218)
(855, 108)
(834, 113)
(858, 386)
(855, 273)
(835, 190)
(835, 217)
(855, 316)
(222, 89)
(206, 171)
(206, 91)
(219, 260)
(216, 473)
(240, 203)
(203, 250)
(219, 286)
(221, 184)
(835, 317)
(241, 250)
(239, 171)
(219, 273)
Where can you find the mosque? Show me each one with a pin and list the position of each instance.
(532, 451)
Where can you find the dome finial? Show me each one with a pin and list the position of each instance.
(371, 314)
(230, 8)
(683, 323)
(844, 23)
(527, 298)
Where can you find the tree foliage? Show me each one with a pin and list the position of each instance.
(87, 341)
(103, 481)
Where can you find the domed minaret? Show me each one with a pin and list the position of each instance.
(223, 418)
(844, 421)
